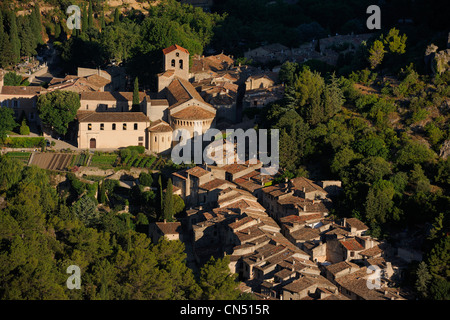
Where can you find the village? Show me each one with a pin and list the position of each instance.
(279, 237)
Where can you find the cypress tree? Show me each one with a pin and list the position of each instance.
(116, 16)
(36, 24)
(102, 21)
(160, 196)
(84, 20)
(136, 101)
(90, 17)
(11, 22)
(168, 202)
(6, 51)
(26, 36)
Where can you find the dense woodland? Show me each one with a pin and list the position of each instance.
(377, 121)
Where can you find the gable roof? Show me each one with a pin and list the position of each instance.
(181, 91)
(110, 96)
(173, 48)
(112, 117)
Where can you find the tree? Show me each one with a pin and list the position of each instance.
(333, 97)
(6, 50)
(136, 100)
(145, 179)
(419, 180)
(116, 16)
(372, 169)
(90, 17)
(85, 209)
(376, 54)
(394, 42)
(58, 108)
(24, 129)
(287, 73)
(7, 122)
(379, 201)
(216, 281)
(168, 211)
(423, 279)
(11, 24)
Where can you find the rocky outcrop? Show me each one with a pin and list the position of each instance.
(437, 61)
(445, 150)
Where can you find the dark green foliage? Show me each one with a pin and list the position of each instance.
(58, 108)
(168, 203)
(7, 122)
(41, 237)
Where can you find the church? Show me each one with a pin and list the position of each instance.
(106, 119)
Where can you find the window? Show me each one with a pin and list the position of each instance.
(135, 126)
(156, 139)
(141, 139)
(102, 126)
(87, 107)
(162, 139)
(181, 64)
(173, 63)
(124, 127)
(89, 126)
(114, 126)
(15, 104)
(177, 54)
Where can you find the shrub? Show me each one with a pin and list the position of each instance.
(24, 129)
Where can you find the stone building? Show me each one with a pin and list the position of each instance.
(110, 130)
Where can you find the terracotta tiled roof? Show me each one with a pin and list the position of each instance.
(292, 219)
(372, 251)
(304, 234)
(352, 244)
(169, 227)
(110, 96)
(214, 184)
(301, 182)
(22, 90)
(193, 113)
(197, 171)
(356, 223)
(174, 47)
(340, 266)
(160, 126)
(112, 117)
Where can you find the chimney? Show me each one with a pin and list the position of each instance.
(344, 221)
(165, 221)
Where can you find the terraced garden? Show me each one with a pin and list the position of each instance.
(52, 161)
(21, 156)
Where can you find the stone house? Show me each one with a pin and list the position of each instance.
(170, 230)
(305, 286)
(21, 99)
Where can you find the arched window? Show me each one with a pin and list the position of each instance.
(124, 127)
(173, 63)
(135, 126)
(156, 139)
(89, 126)
(181, 64)
(114, 126)
(102, 126)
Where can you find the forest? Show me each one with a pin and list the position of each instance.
(45, 228)
(383, 145)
